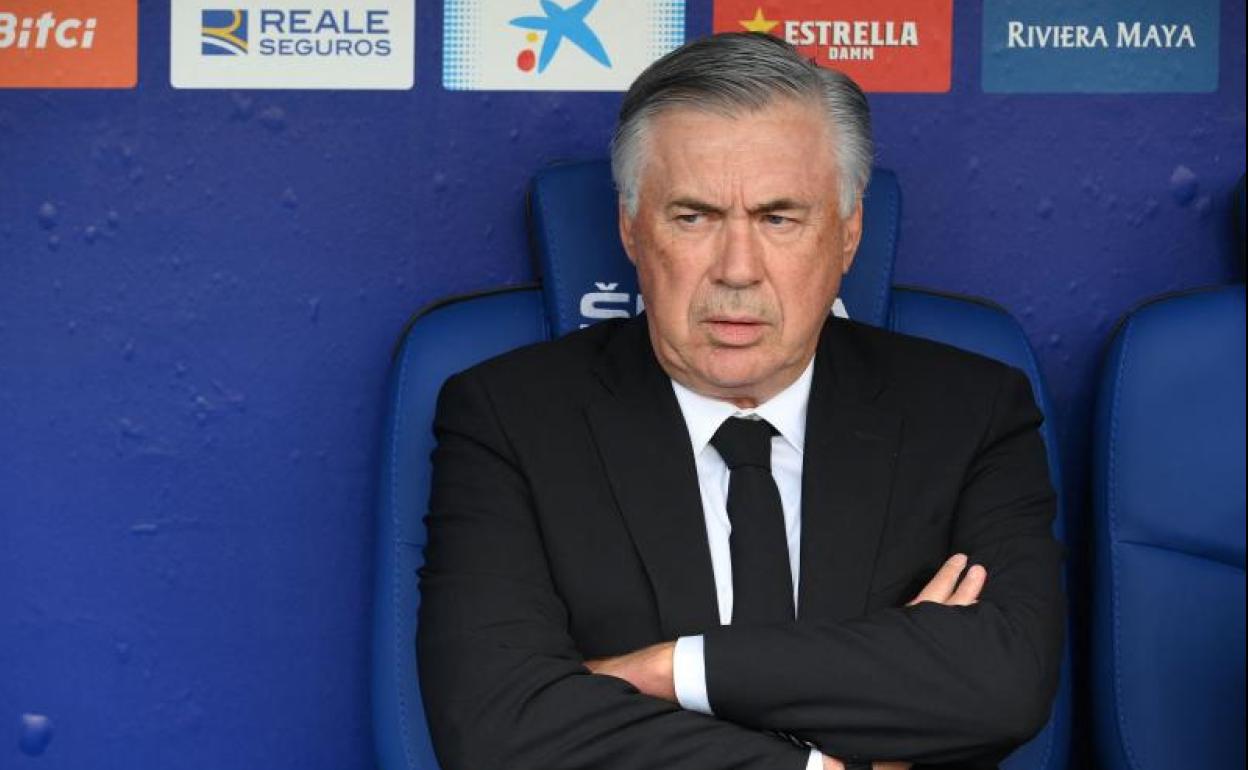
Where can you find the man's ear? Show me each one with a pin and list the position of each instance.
(626, 231)
(851, 237)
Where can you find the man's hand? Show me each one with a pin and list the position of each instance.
(648, 669)
(944, 587)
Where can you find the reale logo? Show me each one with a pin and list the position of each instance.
(350, 44)
(223, 33)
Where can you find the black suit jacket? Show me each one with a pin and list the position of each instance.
(565, 524)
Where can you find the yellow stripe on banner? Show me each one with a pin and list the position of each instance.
(227, 33)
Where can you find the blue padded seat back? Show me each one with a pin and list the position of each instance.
(989, 330)
(440, 340)
(587, 277)
(1239, 212)
(1168, 634)
(980, 327)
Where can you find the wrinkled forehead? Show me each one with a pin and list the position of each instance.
(784, 148)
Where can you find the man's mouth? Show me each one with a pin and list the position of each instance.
(735, 331)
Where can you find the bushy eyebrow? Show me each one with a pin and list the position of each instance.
(780, 204)
(693, 204)
(767, 207)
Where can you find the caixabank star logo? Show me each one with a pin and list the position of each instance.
(550, 45)
(555, 25)
(884, 45)
(223, 33)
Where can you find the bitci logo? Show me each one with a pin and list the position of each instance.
(223, 33)
(68, 44)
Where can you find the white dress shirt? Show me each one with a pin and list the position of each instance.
(786, 411)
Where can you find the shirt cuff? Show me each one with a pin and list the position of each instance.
(816, 760)
(689, 676)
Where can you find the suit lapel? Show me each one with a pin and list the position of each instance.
(644, 445)
(847, 472)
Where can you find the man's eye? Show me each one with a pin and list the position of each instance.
(690, 219)
(776, 220)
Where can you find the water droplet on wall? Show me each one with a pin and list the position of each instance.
(47, 215)
(1183, 185)
(35, 734)
(273, 118)
(242, 106)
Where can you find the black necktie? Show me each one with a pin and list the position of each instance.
(762, 584)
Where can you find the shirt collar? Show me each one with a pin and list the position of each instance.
(786, 411)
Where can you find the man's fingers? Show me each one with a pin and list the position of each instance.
(945, 587)
(941, 586)
(968, 590)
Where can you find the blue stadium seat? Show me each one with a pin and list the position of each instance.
(1238, 212)
(585, 277)
(1168, 604)
(440, 340)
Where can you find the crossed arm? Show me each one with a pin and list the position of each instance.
(505, 685)
(503, 682)
(651, 669)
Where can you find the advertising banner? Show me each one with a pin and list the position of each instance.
(884, 45)
(348, 44)
(542, 45)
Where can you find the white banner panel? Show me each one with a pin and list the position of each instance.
(360, 44)
(544, 45)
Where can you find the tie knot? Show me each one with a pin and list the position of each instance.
(744, 442)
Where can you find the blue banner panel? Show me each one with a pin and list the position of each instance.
(1101, 46)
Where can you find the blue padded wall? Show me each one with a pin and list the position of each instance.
(199, 291)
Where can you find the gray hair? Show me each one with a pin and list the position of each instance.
(737, 72)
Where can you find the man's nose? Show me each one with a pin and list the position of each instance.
(740, 259)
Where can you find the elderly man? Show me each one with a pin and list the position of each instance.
(694, 539)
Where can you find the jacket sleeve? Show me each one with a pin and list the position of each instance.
(503, 683)
(927, 683)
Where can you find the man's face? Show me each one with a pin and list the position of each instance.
(739, 245)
